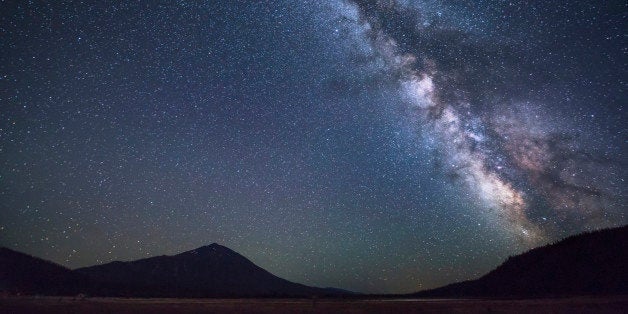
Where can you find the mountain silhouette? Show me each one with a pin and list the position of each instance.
(208, 271)
(24, 274)
(593, 263)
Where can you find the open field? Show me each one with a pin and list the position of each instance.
(618, 304)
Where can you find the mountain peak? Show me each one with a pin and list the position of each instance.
(209, 249)
(214, 246)
(210, 270)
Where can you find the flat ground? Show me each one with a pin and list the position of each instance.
(618, 304)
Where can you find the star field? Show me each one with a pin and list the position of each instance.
(375, 146)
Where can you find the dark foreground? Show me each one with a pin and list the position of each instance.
(617, 304)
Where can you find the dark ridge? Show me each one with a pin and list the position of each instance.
(208, 271)
(27, 275)
(592, 263)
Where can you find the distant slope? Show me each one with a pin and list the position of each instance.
(24, 274)
(209, 271)
(585, 264)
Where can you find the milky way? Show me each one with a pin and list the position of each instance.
(376, 146)
(490, 150)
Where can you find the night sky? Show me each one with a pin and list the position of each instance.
(377, 146)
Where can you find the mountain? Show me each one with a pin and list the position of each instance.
(586, 264)
(209, 271)
(24, 274)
